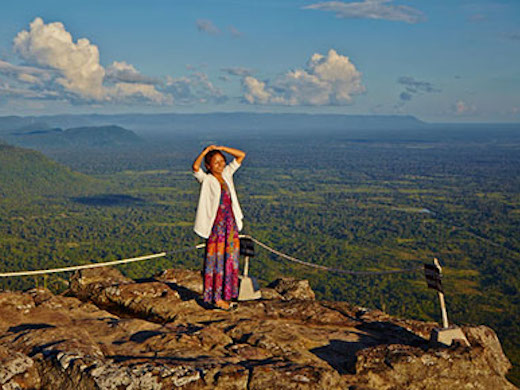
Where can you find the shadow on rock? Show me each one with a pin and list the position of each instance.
(172, 359)
(142, 336)
(387, 332)
(185, 294)
(341, 355)
(24, 327)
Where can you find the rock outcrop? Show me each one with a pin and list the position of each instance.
(111, 332)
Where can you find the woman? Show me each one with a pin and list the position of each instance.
(219, 219)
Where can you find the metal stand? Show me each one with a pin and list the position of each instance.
(447, 334)
(248, 288)
(444, 313)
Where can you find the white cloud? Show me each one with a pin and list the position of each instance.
(255, 91)
(197, 88)
(28, 78)
(127, 73)
(371, 9)
(138, 92)
(75, 68)
(207, 26)
(328, 80)
(71, 71)
(25, 74)
(7, 90)
(50, 45)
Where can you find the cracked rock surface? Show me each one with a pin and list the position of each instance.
(111, 332)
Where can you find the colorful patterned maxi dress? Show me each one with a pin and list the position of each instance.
(222, 249)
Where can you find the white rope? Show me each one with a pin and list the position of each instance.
(97, 265)
(330, 269)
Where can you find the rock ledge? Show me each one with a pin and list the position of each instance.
(111, 332)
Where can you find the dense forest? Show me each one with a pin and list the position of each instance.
(372, 200)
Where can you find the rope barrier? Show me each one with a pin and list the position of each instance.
(330, 269)
(98, 265)
(199, 246)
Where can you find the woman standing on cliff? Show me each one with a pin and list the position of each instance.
(219, 219)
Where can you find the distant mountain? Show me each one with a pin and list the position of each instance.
(26, 173)
(237, 122)
(106, 136)
(81, 137)
(234, 123)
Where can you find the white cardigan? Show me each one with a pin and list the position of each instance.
(209, 199)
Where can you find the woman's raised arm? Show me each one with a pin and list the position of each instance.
(238, 154)
(198, 160)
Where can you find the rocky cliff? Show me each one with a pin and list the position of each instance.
(110, 332)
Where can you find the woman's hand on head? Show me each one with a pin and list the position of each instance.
(210, 148)
(200, 157)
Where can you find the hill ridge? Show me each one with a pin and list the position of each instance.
(26, 173)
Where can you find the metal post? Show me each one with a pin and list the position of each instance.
(445, 323)
(248, 289)
(246, 266)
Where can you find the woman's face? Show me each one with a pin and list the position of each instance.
(217, 164)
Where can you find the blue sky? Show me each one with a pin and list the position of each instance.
(455, 61)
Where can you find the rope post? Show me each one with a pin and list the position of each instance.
(444, 312)
(248, 289)
(446, 335)
(246, 266)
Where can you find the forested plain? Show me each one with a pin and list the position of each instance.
(365, 201)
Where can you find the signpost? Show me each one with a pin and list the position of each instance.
(433, 274)
(446, 335)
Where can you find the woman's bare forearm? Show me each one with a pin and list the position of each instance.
(237, 153)
(200, 157)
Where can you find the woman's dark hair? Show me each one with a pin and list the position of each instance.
(209, 156)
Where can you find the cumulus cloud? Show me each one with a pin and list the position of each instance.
(57, 67)
(7, 90)
(237, 71)
(78, 69)
(371, 9)
(73, 70)
(126, 73)
(327, 80)
(196, 88)
(414, 87)
(27, 74)
(50, 45)
(255, 91)
(138, 92)
(207, 26)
